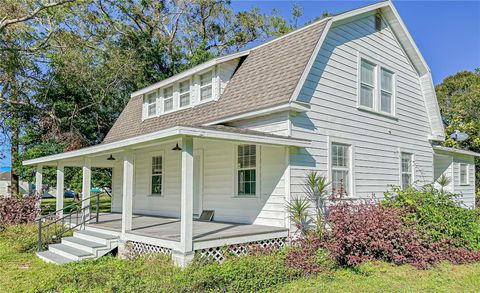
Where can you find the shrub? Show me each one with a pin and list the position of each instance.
(309, 256)
(438, 215)
(24, 237)
(18, 210)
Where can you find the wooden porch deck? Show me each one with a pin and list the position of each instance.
(169, 229)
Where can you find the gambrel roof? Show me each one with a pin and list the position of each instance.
(270, 75)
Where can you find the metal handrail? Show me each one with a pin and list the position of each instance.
(56, 220)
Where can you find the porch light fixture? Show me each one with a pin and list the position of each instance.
(177, 148)
(111, 158)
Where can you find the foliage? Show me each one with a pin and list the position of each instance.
(459, 100)
(18, 210)
(437, 214)
(298, 212)
(309, 255)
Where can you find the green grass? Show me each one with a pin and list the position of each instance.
(48, 205)
(22, 271)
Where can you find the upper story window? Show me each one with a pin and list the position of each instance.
(340, 156)
(247, 170)
(184, 90)
(168, 99)
(206, 86)
(374, 97)
(463, 174)
(151, 102)
(406, 170)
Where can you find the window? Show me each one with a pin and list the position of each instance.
(206, 86)
(151, 102)
(386, 78)
(367, 87)
(340, 155)
(184, 93)
(157, 175)
(247, 170)
(406, 170)
(168, 99)
(371, 96)
(463, 174)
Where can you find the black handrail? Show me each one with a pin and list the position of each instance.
(53, 219)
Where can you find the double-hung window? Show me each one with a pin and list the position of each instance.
(246, 170)
(377, 89)
(367, 84)
(206, 86)
(151, 103)
(463, 174)
(157, 176)
(184, 89)
(340, 156)
(168, 99)
(406, 170)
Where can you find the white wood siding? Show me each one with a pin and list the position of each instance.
(218, 186)
(331, 90)
(273, 123)
(225, 72)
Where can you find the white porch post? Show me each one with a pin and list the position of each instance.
(186, 219)
(60, 188)
(39, 181)
(287, 180)
(86, 182)
(128, 166)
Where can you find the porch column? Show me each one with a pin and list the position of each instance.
(60, 188)
(39, 181)
(128, 166)
(287, 177)
(186, 223)
(86, 182)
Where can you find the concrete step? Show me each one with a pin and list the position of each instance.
(93, 236)
(93, 247)
(52, 257)
(70, 252)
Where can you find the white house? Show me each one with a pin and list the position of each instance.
(349, 96)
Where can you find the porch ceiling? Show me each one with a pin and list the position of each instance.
(75, 158)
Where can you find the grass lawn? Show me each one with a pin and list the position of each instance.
(48, 204)
(24, 272)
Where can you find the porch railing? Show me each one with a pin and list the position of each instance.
(73, 216)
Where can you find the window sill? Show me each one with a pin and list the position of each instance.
(464, 184)
(247, 196)
(386, 115)
(154, 195)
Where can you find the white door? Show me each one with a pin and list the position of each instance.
(197, 182)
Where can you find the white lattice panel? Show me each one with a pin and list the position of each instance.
(219, 253)
(140, 249)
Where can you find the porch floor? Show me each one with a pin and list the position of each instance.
(169, 228)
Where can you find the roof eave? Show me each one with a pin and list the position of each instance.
(456, 151)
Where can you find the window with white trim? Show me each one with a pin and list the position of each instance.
(168, 99)
(184, 89)
(247, 170)
(406, 170)
(206, 86)
(377, 88)
(156, 186)
(340, 163)
(463, 174)
(151, 103)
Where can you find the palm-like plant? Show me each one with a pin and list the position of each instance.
(316, 191)
(298, 211)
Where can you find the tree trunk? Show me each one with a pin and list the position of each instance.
(14, 137)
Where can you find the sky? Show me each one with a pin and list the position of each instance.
(447, 33)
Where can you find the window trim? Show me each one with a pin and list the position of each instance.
(147, 105)
(257, 171)
(190, 102)
(151, 156)
(412, 167)
(172, 97)
(377, 90)
(199, 78)
(467, 173)
(351, 164)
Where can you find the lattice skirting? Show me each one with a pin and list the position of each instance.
(142, 249)
(220, 253)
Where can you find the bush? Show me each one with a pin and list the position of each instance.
(438, 215)
(24, 237)
(309, 255)
(18, 210)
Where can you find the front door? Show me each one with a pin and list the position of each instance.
(197, 182)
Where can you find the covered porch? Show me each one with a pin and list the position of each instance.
(162, 182)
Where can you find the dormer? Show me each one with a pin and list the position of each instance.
(196, 86)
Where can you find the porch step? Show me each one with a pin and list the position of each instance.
(83, 245)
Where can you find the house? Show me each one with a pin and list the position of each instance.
(5, 183)
(349, 96)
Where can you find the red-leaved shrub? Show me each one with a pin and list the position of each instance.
(18, 210)
(302, 254)
(361, 232)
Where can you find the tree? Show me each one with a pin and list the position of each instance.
(459, 99)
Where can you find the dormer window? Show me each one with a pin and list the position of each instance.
(206, 86)
(151, 101)
(168, 99)
(184, 90)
